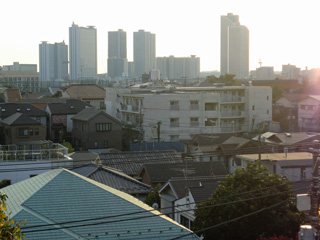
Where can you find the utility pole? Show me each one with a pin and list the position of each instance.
(158, 130)
(314, 195)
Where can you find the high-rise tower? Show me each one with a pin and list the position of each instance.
(53, 61)
(144, 52)
(82, 52)
(117, 53)
(234, 49)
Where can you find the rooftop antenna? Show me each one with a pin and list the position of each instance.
(260, 62)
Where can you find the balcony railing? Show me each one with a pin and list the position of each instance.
(194, 107)
(124, 107)
(11, 153)
(194, 124)
(231, 99)
(174, 107)
(231, 114)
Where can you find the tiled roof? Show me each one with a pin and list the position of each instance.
(61, 196)
(204, 190)
(70, 106)
(162, 172)
(13, 95)
(19, 119)
(132, 162)
(8, 109)
(85, 91)
(113, 178)
(90, 112)
(285, 139)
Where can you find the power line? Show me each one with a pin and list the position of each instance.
(141, 217)
(232, 220)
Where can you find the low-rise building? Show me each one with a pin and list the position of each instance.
(26, 81)
(187, 111)
(95, 129)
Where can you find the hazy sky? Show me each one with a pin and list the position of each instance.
(281, 31)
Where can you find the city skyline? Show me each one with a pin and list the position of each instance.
(278, 34)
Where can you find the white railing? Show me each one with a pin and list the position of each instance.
(10, 153)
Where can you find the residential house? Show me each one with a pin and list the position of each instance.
(202, 147)
(131, 162)
(71, 206)
(286, 142)
(114, 178)
(95, 129)
(89, 93)
(187, 111)
(28, 159)
(159, 173)
(295, 166)
(21, 128)
(233, 146)
(60, 118)
(179, 197)
(309, 113)
(8, 109)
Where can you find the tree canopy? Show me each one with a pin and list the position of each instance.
(9, 229)
(227, 79)
(266, 190)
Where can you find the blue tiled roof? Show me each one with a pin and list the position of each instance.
(61, 196)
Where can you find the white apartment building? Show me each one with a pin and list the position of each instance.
(186, 111)
(309, 113)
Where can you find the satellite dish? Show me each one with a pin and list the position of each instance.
(155, 205)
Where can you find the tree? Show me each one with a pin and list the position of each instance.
(153, 197)
(227, 79)
(68, 145)
(276, 92)
(9, 229)
(284, 219)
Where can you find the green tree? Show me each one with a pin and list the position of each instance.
(153, 196)
(68, 145)
(276, 92)
(227, 79)
(284, 219)
(9, 229)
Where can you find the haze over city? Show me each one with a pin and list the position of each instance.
(281, 32)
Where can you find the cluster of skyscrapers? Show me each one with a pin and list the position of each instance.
(82, 62)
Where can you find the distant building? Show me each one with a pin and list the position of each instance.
(179, 68)
(290, 72)
(312, 76)
(53, 61)
(234, 58)
(25, 81)
(144, 52)
(20, 67)
(117, 53)
(264, 73)
(82, 52)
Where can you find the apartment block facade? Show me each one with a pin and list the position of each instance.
(186, 111)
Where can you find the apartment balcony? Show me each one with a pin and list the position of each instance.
(194, 124)
(232, 99)
(130, 108)
(233, 114)
(194, 107)
(174, 107)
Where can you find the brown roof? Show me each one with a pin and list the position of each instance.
(85, 91)
(12, 96)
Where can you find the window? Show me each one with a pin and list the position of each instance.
(103, 127)
(267, 98)
(31, 131)
(38, 119)
(184, 221)
(310, 107)
(211, 122)
(36, 131)
(267, 111)
(105, 144)
(253, 107)
(174, 105)
(194, 105)
(83, 126)
(174, 122)
(210, 106)
(96, 144)
(23, 132)
(303, 107)
(194, 122)
(174, 138)
(102, 105)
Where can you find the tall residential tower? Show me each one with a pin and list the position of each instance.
(234, 57)
(53, 61)
(82, 52)
(144, 52)
(117, 53)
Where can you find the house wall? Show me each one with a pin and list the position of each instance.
(12, 133)
(94, 139)
(284, 102)
(181, 209)
(307, 108)
(167, 203)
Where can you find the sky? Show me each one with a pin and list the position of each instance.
(281, 31)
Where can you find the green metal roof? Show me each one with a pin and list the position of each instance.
(62, 196)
